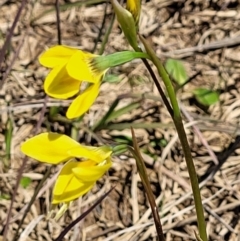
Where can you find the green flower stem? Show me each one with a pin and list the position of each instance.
(102, 62)
(106, 36)
(160, 90)
(155, 80)
(183, 139)
(101, 30)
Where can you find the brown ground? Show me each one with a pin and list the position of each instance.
(205, 35)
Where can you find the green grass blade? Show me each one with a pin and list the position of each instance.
(143, 125)
(122, 111)
(104, 119)
(8, 141)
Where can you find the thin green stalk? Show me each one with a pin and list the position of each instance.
(141, 125)
(160, 90)
(183, 139)
(169, 87)
(74, 133)
(193, 177)
(8, 141)
(106, 36)
(155, 80)
(100, 30)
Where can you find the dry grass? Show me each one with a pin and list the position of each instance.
(205, 35)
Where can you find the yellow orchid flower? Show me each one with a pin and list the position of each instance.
(70, 67)
(76, 177)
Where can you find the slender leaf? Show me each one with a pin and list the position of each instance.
(122, 111)
(143, 125)
(111, 114)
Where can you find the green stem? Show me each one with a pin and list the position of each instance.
(155, 80)
(193, 177)
(8, 141)
(160, 90)
(106, 36)
(101, 30)
(183, 139)
(169, 87)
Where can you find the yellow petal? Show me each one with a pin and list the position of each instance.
(96, 154)
(91, 173)
(57, 55)
(83, 102)
(78, 67)
(68, 187)
(60, 85)
(134, 7)
(49, 147)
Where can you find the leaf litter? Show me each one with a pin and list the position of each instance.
(205, 36)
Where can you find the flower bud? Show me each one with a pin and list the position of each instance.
(134, 7)
(127, 23)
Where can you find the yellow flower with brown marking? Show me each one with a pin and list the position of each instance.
(70, 68)
(76, 177)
